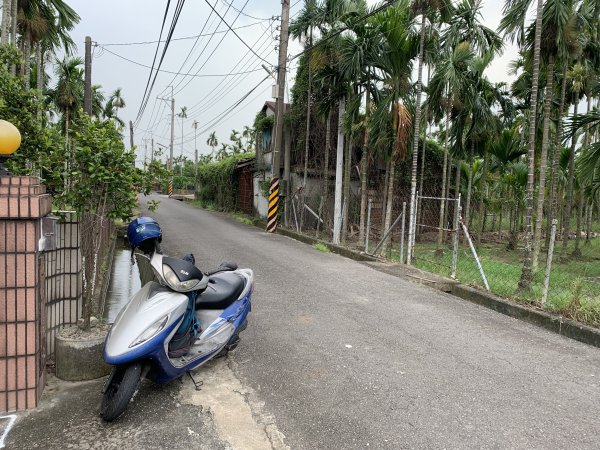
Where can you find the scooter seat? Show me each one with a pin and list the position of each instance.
(222, 290)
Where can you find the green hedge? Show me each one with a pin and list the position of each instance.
(217, 186)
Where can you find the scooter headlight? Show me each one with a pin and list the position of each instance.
(151, 331)
(173, 281)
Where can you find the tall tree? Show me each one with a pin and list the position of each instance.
(512, 24)
(212, 142)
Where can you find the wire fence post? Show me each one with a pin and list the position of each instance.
(479, 267)
(368, 225)
(549, 263)
(402, 233)
(456, 227)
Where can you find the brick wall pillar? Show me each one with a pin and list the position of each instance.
(23, 202)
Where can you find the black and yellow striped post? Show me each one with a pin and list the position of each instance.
(273, 214)
(170, 187)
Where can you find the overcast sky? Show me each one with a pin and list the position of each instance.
(207, 97)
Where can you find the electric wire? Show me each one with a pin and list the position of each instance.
(208, 75)
(114, 44)
(224, 84)
(203, 50)
(174, 21)
(233, 31)
(155, 53)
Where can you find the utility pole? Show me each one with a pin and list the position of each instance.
(272, 217)
(170, 165)
(152, 150)
(131, 134)
(195, 125)
(87, 93)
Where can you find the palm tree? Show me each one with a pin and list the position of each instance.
(97, 101)
(301, 28)
(512, 24)
(394, 62)
(577, 76)
(422, 8)
(212, 142)
(68, 92)
(45, 25)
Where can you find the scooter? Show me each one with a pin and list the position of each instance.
(140, 342)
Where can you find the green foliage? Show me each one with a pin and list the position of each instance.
(22, 107)
(321, 247)
(100, 176)
(263, 122)
(216, 182)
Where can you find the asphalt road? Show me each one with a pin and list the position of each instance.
(342, 356)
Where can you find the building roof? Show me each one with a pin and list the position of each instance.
(271, 105)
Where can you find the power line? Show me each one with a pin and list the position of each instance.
(262, 19)
(176, 73)
(233, 31)
(155, 54)
(174, 21)
(205, 47)
(181, 38)
(226, 83)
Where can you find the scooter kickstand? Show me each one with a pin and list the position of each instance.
(197, 384)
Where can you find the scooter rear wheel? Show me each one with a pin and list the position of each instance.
(124, 382)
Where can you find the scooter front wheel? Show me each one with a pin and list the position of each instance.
(122, 385)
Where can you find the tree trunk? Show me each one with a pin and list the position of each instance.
(570, 178)
(307, 135)
(364, 169)
(415, 156)
(440, 239)
(553, 200)
(580, 208)
(588, 225)
(457, 178)
(27, 63)
(325, 186)
(346, 189)
(537, 237)
(483, 204)
(421, 178)
(385, 193)
(13, 22)
(526, 274)
(388, 208)
(6, 7)
(469, 188)
(337, 210)
(40, 67)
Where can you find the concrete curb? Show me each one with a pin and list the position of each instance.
(357, 256)
(558, 324)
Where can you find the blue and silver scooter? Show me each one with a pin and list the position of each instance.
(154, 336)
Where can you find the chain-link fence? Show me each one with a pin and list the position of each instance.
(561, 283)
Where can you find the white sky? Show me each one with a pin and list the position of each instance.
(111, 21)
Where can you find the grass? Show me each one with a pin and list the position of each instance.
(574, 282)
(321, 247)
(243, 219)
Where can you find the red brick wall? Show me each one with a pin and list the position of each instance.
(22, 362)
